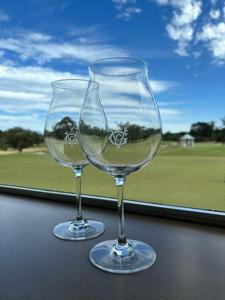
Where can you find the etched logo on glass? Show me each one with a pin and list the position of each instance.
(118, 138)
(71, 136)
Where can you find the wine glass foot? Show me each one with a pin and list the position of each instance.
(135, 256)
(75, 231)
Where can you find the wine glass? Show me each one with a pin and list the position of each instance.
(62, 140)
(120, 132)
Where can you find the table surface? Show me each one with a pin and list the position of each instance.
(34, 264)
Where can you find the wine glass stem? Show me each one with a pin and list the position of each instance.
(78, 173)
(120, 180)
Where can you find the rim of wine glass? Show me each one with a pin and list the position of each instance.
(88, 81)
(143, 64)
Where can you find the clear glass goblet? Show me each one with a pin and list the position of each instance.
(120, 132)
(62, 140)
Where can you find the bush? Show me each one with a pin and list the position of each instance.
(19, 138)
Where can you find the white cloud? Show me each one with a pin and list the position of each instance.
(37, 37)
(196, 54)
(173, 119)
(175, 126)
(83, 32)
(181, 27)
(30, 79)
(44, 48)
(172, 103)
(214, 13)
(161, 2)
(128, 88)
(128, 12)
(126, 9)
(19, 106)
(183, 35)
(214, 37)
(31, 121)
(186, 11)
(212, 31)
(20, 95)
(120, 3)
(165, 112)
(3, 16)
(26, 89)
(159, 86)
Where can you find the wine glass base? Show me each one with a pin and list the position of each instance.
(137, 256)
(73, 231)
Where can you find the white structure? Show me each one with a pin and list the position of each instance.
(187, 140)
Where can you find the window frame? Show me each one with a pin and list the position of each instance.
(202, 216)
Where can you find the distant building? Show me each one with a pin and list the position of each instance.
(187, 140)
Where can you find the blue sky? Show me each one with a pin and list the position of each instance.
(182, 40)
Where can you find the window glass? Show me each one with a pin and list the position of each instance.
(43, 41)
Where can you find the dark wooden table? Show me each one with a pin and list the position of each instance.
(34, 265)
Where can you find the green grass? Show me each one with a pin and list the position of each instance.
(192, 177)
(200, 149)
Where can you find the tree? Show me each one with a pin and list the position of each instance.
(19, 138)
(62, 127)
(169, 136)
(203, 131)
(220, 132)
(223, 122)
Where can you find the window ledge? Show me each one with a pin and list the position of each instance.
(168, 211)
(36, 265)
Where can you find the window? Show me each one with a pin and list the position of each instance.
(187, 77)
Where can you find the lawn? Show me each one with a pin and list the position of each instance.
(193, 177)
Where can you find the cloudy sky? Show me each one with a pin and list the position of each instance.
(182, 40)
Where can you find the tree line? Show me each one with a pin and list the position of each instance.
(202, 132)
(19, 138)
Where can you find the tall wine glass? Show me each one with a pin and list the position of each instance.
(120, 132)
(62, 140)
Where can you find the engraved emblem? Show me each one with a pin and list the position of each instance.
(71, 136)
(118, 138)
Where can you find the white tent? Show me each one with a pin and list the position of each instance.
(187, 140)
